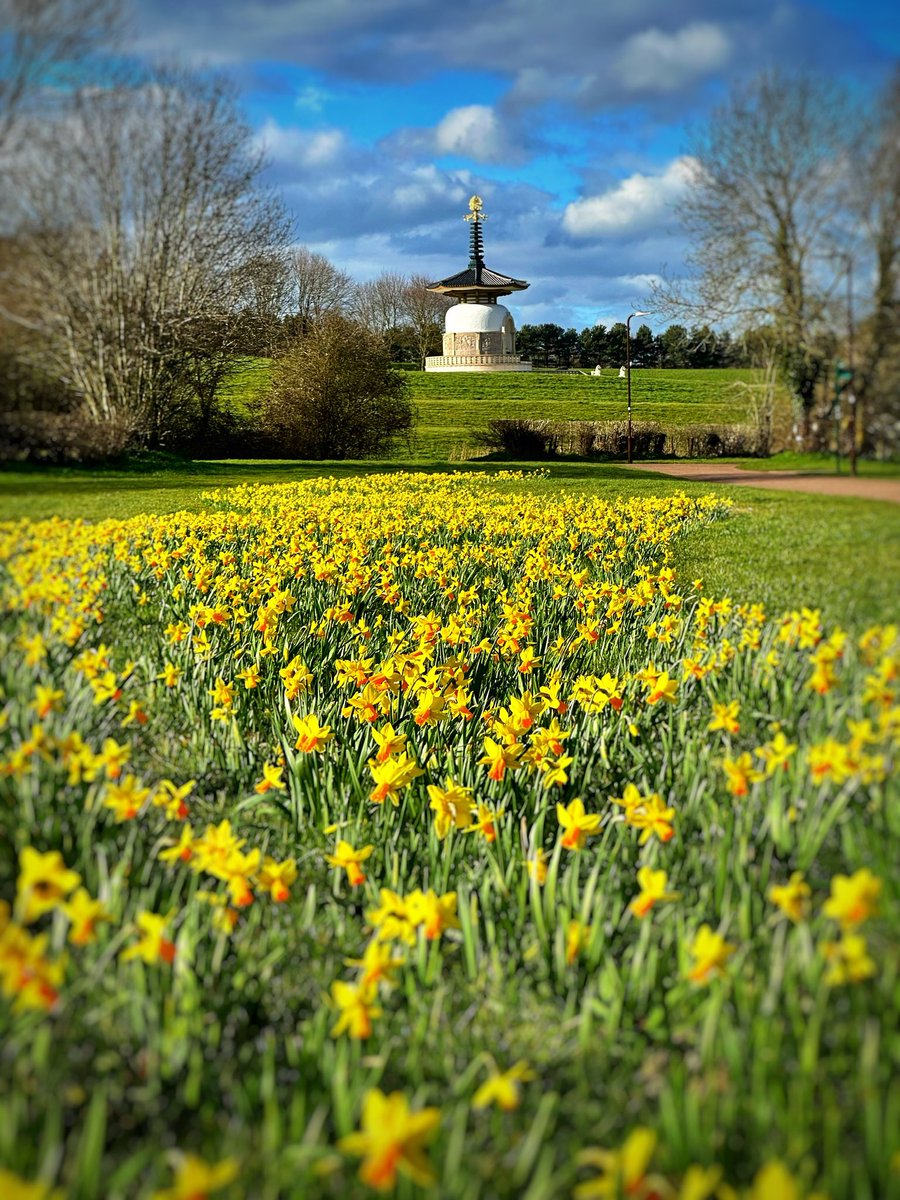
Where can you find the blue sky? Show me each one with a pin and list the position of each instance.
(571, 119)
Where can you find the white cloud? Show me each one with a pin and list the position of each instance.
(427, 185)
(324, 147)
(312, 99)
(475, 132)
(636, 205)
(641, 284)
(305, 147)
(654, 61)
(582, 52)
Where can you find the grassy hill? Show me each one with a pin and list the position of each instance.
(246, 386)
(452, 407)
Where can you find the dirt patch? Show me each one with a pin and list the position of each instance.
(780, 481)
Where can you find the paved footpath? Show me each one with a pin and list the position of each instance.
(782, 481)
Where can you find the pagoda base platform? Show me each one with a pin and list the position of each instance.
(475, 362)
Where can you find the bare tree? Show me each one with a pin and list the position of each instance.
(248, 324)
(139, 215)
(768, 191)
(424, 312)
(875, 205)
(43, 45)
(321, 287)
(379, 304)
(264, 287)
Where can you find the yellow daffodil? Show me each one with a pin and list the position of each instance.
(577, 825)
(499, 758)
(183, 850)
(46, 700)
(271, 779)
(391, 776)
(170, 675)
(740, 773)
(623, 1172)
(113, 757)
(389, 742)
(125, 797)
(653, 817)
(537, 866)
(436, 914)
(14, 1187)
(350, 860)
(774, 1181)
(848, 960)
(43, 883)
(394, 919)
(84, 914)
(392, 1139)
(653, 891)
(725, 717)
(854, 898)
(276, 878)
(503, 1088)
(311, 736)
(378, 964)
(357, 1007)
(173, 798)
(452, 806)
(577, 934)
(701, 1183)
(710, 952)
(486, 822)
(792, 897)
(777, 754)
(152, 945)
(663, 688)
(196, 1179)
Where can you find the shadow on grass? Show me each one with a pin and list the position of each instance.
(164, 471)
(144, 463)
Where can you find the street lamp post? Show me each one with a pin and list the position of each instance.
(851, 396)
(628, 371)
(844, 371)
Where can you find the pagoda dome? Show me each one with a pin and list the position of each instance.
(477, 318)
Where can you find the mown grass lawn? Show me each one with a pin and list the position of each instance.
(392, 832)
(454, 408)
(821, 464)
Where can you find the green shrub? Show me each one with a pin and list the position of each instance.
(533, 439)
(335, 394)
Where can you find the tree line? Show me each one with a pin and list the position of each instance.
(550, 345)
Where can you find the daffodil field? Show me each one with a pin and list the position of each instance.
(425, 835)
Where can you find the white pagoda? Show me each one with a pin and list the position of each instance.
(479, 333)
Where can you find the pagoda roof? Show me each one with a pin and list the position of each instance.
(478, 278)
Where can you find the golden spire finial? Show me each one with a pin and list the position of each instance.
(475, 213)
